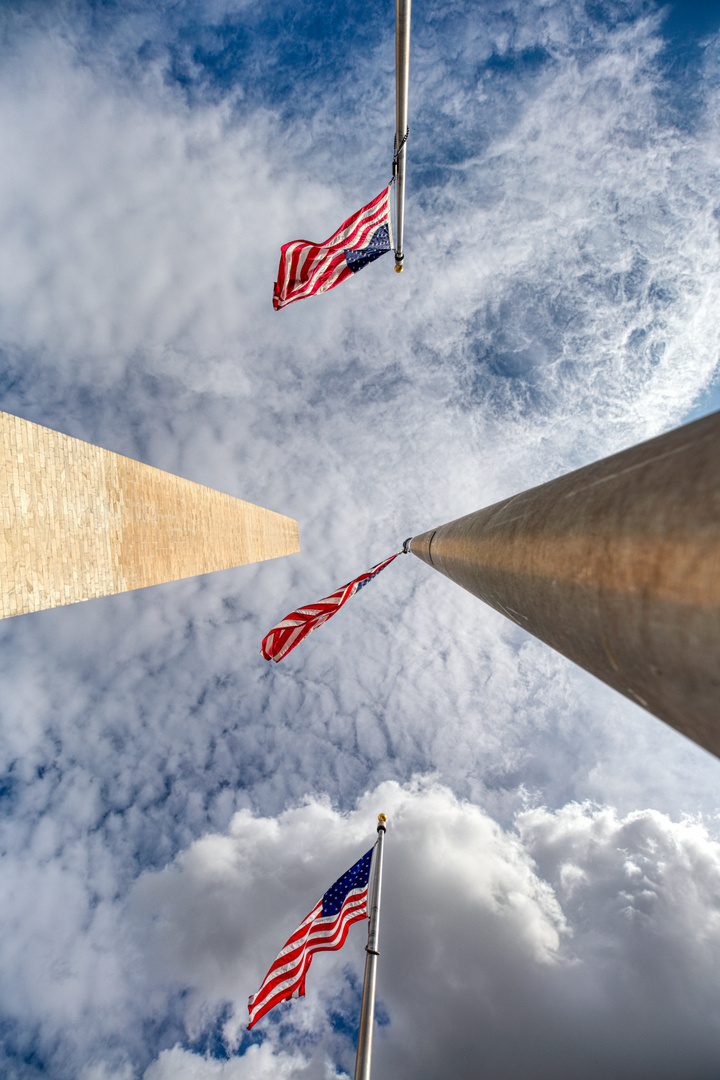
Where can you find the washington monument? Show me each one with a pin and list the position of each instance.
(80, 522)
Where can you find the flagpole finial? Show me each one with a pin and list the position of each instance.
(398, 268)
(381, 823)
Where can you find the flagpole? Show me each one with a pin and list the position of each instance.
(615, 565)
(367, 1008)
(402, 80)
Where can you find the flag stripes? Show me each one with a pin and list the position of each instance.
(317, 932)
(307, 268)
(298, 624)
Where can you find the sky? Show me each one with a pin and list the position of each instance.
(171, 806)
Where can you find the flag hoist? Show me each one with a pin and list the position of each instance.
(326, 928)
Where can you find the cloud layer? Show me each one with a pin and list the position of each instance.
(559, 302)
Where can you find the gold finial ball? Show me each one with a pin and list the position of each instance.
(382, 817)
(398, 268)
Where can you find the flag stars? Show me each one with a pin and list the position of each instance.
(355, 878)
(378, 244)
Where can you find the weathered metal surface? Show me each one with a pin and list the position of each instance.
(617, 566)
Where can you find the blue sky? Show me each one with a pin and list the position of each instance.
(171, 804)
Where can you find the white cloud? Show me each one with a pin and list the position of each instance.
(258, 1063)
(577, 243)
(103, 1071)
(213, 916)
(580, 943)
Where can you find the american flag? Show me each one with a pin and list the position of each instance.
(325, 928)
(307, 268)
(298, 624)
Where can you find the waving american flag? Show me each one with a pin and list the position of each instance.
(298, 624)
(307, 268)
(326, 927)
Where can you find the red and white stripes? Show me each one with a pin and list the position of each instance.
(298, 624)
(307, 268)
(286, 977)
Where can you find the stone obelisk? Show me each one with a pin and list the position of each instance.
(617, 566)
(77, 522)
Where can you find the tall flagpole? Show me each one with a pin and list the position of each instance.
(402, 79)
(367, 1008)
(615, 565)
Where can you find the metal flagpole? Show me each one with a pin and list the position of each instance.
(367, 1008)
(402, 79)
(615, 565)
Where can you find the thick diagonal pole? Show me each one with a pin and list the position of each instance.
(402, 82)
(617, 566)
(367, 1008)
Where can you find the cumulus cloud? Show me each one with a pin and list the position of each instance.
(258, 1063)
(576, 942)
